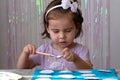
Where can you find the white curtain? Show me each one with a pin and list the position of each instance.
(25, 26)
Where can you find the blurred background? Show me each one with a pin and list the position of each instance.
(21, 23)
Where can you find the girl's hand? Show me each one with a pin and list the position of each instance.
(29, 49)
(68, 54)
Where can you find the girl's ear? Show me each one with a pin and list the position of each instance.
(76, 31)
(47, 29)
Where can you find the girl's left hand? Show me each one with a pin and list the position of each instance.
(68, 54)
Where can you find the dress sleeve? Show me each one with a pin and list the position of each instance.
(84, 53)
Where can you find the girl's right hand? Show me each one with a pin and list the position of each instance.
(29, 49)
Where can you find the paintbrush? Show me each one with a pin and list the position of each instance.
(47, 54)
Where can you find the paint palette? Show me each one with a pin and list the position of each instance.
(9, 76)
(94, 74)
(46, 71)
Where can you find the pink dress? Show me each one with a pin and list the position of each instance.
(47, 62)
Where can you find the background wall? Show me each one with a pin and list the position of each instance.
(114, 33)
(3, 32)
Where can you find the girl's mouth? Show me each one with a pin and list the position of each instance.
(63, 43)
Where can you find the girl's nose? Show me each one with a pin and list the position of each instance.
(62, 35)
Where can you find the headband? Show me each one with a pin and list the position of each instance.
(65, 4)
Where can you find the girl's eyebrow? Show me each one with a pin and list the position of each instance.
(54, 29)
(65, 28)
(70, 28)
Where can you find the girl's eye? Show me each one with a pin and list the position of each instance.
(55, 31)
(68, 30)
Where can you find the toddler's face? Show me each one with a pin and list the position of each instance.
(62, 32)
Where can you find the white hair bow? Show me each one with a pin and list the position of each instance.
(67, 4)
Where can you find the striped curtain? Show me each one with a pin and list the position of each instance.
(96, 31)
(25, 26)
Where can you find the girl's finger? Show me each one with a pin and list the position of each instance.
(33, 49)
(65, 52)
(70, 57)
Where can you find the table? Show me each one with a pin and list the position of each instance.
(28, 73)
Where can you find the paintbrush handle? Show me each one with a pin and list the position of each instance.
(43, 53)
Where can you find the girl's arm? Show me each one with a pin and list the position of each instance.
(81, 64)
(24, 62)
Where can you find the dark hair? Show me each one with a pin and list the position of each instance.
(77, 17)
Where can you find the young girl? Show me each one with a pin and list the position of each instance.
(63, 23)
